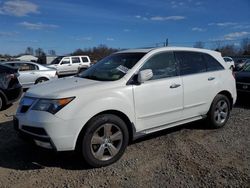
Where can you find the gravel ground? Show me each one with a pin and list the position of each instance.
(187, 156)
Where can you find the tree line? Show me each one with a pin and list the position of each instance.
(101, 51)
(241, 49)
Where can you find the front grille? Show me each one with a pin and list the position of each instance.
(35, 130)
(24, 109)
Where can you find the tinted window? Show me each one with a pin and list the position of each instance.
(76, 60)
(26, 66)
(191, 62)
(85, 59)
(163, 65)
(212, 64)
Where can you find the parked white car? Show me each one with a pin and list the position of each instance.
(32, 73)
(230, 62)
(124, 96)
(70, 64)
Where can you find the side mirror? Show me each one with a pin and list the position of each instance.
(145, 75)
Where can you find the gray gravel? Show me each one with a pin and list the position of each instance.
(188, 156)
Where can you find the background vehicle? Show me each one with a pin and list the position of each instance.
(10, 88)
(32, 73)
(70, 64)
(127, 95)
(241, 64)
(243, 79)
(230, 62)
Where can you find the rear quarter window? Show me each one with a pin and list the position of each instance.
(212, 63)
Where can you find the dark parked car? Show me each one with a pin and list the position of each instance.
(241, 64)
(10, 88)
(243, 79)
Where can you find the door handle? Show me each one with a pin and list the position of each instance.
(211, 78)
(175, 86)
(32, 73)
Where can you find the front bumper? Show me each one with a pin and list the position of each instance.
(47, 130)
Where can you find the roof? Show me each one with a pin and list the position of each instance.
(27, 58)
(146, 50)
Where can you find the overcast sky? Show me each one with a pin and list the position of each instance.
(65, 25)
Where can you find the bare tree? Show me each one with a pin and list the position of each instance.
(39, 52)
(52, 52)
(245, 46)
(29, 51)
(228, 50)
(199, 44)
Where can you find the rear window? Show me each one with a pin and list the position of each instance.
(84, 59)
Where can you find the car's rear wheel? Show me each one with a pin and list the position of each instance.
(105, 140)
(41, 80)
(219, 111)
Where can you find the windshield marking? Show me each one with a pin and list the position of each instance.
(123, 69)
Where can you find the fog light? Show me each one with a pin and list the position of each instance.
(43, 144)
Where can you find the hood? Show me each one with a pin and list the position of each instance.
(60, 88)
(243, 77)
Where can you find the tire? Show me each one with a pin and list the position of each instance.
(219, 112)
(104, 140)
(41, 80)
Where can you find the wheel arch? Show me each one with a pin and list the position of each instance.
(42, 77)
(229, 96)
(124, 117)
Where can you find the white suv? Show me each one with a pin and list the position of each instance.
(124, 96)
(70, 64)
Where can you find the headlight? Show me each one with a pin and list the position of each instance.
(51, 105)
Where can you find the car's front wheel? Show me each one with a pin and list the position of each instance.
(219, 111)
(105, 140)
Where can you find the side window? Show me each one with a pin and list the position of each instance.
(191, 62)
(212, 63)
(75, 60)
(163, 65)
(65, 61)
(84, 59)
(27, 67)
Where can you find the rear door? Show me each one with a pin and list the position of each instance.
(198, 83)
(76, 64)
(159, 101)
(28, 73)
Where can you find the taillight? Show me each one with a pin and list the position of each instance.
(11, 76)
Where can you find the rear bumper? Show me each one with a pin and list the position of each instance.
(13, 94)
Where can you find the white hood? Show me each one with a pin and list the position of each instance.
(64, 87)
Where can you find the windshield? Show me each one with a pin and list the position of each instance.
(112, 67)
(57, 60)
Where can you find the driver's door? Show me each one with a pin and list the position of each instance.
(159, 101)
